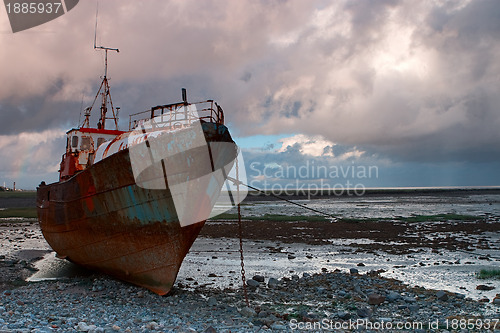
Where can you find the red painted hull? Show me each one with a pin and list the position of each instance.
(101, 219)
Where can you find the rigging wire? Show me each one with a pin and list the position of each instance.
(237, 182)
(81, 109)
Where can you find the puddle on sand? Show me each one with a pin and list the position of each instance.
(386, 206)
(53, 268)
(216, 263)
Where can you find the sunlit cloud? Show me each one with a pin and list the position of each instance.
(317, 146)
(31, 153)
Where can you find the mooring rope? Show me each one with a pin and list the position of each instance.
(237, 182)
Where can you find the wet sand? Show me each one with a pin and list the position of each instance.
(395, 237)
(433, 255)
(390, 251)
(350, 275)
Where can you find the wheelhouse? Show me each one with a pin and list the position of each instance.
(81, 144)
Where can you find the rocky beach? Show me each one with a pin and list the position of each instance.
(406, 274)
(209, 298)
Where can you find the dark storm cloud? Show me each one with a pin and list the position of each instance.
(37, 112)
(411, 81)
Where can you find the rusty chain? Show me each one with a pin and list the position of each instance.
(240, 234)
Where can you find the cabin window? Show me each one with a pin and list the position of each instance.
(100, 141)
(74, 141)
(85, 143)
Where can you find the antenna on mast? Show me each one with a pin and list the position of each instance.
(106, 49)
(95, 28)
(104, 88)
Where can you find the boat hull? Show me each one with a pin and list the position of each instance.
(103, 220)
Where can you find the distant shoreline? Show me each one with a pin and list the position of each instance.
(16, 199)
(304, 194)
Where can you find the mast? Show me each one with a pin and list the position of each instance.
(103, 90)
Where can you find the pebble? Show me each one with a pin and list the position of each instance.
(72, 305)
(343, 315)
(272, 283)
(212, 301)
(375, 299)
(83, 327)
(354, 271)
(442, 296)
(278, 327)
(248, 312)
(413, 307)
(252, 283)
(152, 325)
(393, 296)
(409, 299)
(364, 312)
(484, 287)
(258, 278)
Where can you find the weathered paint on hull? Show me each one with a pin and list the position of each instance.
(101, 219)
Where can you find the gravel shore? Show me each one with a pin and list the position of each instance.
(101, 304)
(330, 300)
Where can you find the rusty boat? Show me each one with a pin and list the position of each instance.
(131, 203)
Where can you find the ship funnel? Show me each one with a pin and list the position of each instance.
(184, 96)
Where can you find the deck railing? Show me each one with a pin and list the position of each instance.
(179, 114)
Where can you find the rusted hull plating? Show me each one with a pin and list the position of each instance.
(101, 219)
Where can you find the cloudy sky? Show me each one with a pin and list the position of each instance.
(409, 87)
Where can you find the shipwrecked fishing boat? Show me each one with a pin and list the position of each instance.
(131, 203)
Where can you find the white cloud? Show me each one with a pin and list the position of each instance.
(31, 153)
(308, 145)
(318, 146)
